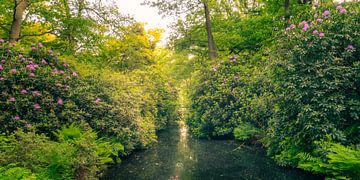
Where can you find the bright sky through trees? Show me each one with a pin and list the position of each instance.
(145, 14)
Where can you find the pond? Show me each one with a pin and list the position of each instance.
(179, 156)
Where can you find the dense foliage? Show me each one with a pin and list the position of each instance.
(301, 94)
(317, 75)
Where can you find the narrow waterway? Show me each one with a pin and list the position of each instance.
(179, 156)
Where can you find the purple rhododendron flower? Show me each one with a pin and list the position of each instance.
(292, 26)
(24, 91)
(12, 99)
(306, 27)
(30, 67)
(350, 46)
(17, 117)
(303, 22)
(1, 79)
(342, 11)
(326, 13)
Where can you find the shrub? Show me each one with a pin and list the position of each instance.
(233, 92)
(245, 131)
(76, 153)
(316, 68)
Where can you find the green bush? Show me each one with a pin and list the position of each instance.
(245, 132)
(316, 72)
(233, 92)
(332, 158)
(76, 153)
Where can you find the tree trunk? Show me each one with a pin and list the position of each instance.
(211, 43)
(20, 7)
(287, 13)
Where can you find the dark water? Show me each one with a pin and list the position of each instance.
(178, 156)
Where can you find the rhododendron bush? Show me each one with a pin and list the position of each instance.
(317, 72)
(41, 92)
(35, 89)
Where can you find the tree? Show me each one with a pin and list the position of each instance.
(20, 7)
(171, 7)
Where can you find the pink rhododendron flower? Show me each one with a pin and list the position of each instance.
(338, 7)
(60, 101)
(40, 45)
(31, 75)
(292, 26)
(68, 77)
(1, 68)
(37, 106)
(17, 117)
(28, 125)
(74, 74)
(326, 13)
(24, 91)
(13, 71)
(20, 56)
(66, 65)
(12, 99)
(50, 51)
(319, 20)
(315, 32)
(306, 27)
(350, 46)
(43, 61)
(30, 67)
(2, 41)
(321, 34)
(287, 29)
(315, 15)
(342, 11)
(3, 61)
(51, 63)
(303, 22)
(61, 72)
(1, 79)
(33, 48)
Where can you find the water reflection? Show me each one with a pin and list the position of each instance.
(179, 156)
(184, 155)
